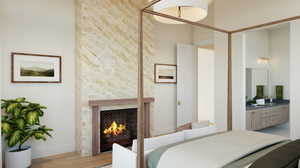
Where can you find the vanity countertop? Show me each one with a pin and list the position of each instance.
(268, 105)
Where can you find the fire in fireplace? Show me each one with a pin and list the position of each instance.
(115, 129)
(117, 126)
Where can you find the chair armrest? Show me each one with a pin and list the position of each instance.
(123, 158)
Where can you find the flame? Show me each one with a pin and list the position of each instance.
(115, 129)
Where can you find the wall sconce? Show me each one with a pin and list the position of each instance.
(263, 60)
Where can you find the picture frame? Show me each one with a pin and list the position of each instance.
(35, 68)
(165, 73)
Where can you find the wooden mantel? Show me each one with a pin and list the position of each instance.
(96, 109)
(113, 102)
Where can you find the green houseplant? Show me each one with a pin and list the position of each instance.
(21, 122)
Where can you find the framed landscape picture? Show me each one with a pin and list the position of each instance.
(165, 73)
(35, 68)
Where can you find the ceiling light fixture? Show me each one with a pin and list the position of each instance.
(192, 10)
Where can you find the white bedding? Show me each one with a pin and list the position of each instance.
(216, 151)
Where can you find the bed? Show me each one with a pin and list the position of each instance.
(234, 149)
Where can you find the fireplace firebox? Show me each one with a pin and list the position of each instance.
(117, 126)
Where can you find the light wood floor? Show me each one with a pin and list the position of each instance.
(72, 160)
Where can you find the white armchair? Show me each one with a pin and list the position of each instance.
(123, 157)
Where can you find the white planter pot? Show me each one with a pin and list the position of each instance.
(20, 159)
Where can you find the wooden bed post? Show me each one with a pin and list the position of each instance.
(229, 83)
(140, 123)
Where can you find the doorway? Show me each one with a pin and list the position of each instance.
(195, 86)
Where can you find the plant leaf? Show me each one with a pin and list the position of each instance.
(14, 138)
(4, 105)
(42, 107)
(32, 117)
(41, 113)
(6, 128)
(20, 123)
(17, 112)
(25, 110)
(4, 118)
(45, 130)
(39, 135)
(33, 105)
(20, 99)
(47, 133)
(11, 107)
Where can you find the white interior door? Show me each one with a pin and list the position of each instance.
(187, 82)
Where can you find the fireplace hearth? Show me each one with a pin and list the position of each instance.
(117, 126)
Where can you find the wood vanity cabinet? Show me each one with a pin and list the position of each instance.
(267, 117)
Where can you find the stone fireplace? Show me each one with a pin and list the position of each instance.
(116, 126)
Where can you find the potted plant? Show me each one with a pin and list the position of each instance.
(20, 122)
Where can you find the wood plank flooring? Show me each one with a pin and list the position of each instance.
(72, 160)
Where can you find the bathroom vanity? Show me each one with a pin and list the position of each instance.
(261, 117)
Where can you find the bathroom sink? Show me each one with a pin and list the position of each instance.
(268, 104)
(264, 105)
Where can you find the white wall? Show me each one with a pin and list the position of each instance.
(238, 75)
(260, 77)
(201, 36)
(248, 83)
(166, 38)
(221, 50)
(257, 46)
(294, 79)
(280, 60)
(44, 27)
(206, 83)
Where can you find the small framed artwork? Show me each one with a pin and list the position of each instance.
(165, 73)
(35, 68)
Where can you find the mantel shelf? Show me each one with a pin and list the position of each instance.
(113, 102)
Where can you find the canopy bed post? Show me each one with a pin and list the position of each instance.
(229, 83)
(140, 122)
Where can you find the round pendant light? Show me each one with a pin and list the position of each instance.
(192, 10)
